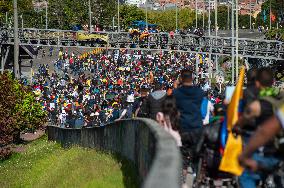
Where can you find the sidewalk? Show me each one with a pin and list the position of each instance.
(33, 136)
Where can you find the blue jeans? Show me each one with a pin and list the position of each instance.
(250, 179)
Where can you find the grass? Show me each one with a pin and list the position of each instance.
(47, 164)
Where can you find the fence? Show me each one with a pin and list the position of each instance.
(142, 141)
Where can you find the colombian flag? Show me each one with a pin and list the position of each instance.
(233, 148)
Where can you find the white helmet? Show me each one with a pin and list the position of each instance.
(130, 98)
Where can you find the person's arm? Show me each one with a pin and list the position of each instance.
(137, 109)
(263, 135)
(122, 115)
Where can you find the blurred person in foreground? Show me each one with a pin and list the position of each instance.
(263, 135)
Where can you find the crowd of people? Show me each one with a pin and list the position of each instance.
(110, 86)
(95, 89)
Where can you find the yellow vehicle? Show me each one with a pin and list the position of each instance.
(81, 36)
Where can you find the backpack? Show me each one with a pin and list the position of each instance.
(129, 111)
(142, 109)
(276, 102)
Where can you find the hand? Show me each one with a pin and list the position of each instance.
(248, 163)
(176, 83)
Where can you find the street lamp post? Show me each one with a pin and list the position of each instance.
(237, 39)
(6, 19)
(196, 14)
(118, 16)
(250, 14)
(216, 18)
(113, 23)
(233, 41)
(90, 17)
(46, 16)
(146, 4)
(22, 20)
(270, 14)
(176, 17)
(228, 19)
(16, 41)
(209, 19)
(203, 15)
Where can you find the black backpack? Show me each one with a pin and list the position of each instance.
(277, 102)
(142, 109)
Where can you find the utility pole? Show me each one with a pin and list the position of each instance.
(6, 19)
(237, 39)
(118, 16)
(113, 23)
(209, 19)
(146, 4)
(250, 14)
(270, 12)
(176, 17)
(233, 41)
(196, 14)
(216, 18)
(228, 21)
(46, 16)
(90, 17)
(22, 20)
(203, 15)
(16, 41)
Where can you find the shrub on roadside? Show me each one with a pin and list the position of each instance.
(19, 111)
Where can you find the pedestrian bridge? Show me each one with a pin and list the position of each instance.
(219, 46)
(142, 141)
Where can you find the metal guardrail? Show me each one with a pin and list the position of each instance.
(248, 48)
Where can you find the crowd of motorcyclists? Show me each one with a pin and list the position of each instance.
(102, 88)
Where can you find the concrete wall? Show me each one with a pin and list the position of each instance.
(142, 141)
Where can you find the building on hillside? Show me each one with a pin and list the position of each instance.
(135, 2)
(39, 5)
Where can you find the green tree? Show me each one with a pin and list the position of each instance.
(5, 6)
(167, 19)
(277, 8)
(105, 11)
(63, 14)
(130, 13)
(25, 7)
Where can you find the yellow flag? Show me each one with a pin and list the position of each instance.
(233, 146)
(200, 59)
(233, 107)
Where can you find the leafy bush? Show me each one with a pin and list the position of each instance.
(275, 34)
(19, 111)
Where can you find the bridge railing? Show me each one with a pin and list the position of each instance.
(142, 141)
(220, 46)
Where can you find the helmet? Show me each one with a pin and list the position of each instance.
(130, 98)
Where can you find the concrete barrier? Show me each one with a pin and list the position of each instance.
(142, 141)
